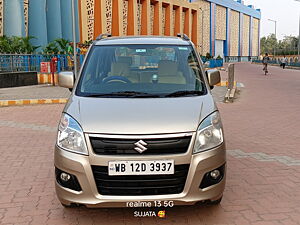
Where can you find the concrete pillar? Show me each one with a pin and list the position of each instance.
(54, 28)
(84, 17)
(145, 18)
(117, 21)
(212, 28)
(227, 42)
(13, 18)
(37, 23)
(230, 76)
(241, 28)
(251, 36)
(258, 51)
(187, 22)
(195, 31)
(80, 20)
(100, 18)
(168, 20)
(178, 20)
(77, 19)
(157, 25)
(132, 25)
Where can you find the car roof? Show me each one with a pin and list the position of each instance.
(143, 40)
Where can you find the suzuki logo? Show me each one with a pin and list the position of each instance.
(140, 146)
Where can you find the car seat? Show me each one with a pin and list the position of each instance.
(168, 73)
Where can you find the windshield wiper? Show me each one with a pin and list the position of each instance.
(185, 93)
(134, 94)
(137, 94)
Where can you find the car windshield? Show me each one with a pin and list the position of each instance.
(141, 71)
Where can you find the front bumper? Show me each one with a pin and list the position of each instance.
(80, 166)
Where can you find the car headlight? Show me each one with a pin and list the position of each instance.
(209, 133)
(70, 135)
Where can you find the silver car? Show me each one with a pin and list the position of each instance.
(140, 126)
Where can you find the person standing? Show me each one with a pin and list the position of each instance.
(284, 62)
(265, 62)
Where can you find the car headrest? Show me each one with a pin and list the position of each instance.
(125, 59)
(167, 67)
(119, 69)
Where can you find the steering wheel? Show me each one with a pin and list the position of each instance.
(120, 79)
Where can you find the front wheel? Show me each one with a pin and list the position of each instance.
(215, 202)
(72, 205)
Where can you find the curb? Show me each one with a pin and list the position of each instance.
(225, 84)
(19, 102)
(230, 95)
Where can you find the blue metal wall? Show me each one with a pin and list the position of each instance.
(54, 27)
(66, 19)
(14, 18)
(59, 20)
(47, 20)
(37, 22)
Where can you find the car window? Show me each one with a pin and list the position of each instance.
(149, 69)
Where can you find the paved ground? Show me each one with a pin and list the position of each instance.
(262, 133)
(219, 93)
(34, 92)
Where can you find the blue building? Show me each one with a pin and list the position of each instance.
(46, 20)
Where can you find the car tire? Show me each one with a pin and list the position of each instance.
(215, 202)
(72, 205)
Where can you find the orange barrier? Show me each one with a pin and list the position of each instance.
(46, 78)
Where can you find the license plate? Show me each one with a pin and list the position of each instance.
(157, 167)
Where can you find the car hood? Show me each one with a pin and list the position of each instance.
(140, 115)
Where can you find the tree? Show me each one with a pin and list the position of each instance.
(17, 45)
(5, 47)
(58, 46)
(63, 45)
(267, 44)
(287, 46)
(28, 48)
(51, 48)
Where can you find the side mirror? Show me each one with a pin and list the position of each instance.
(213, 77)
(66, 79)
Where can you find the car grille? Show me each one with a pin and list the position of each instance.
(158, 146)
(140, 184)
